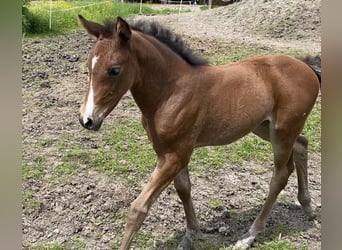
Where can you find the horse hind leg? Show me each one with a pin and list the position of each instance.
(300, 155)
(183, 188)
(282, 142)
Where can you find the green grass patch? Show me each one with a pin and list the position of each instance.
(143, 239)
(46, 142)
(206, 158)
(34, 170)
(64, 14)
(171, 242)
(72, 159)
(312, 129)
(247, 148)
(250, 148)
(216, 203)
(78, 155)
(65, 168)
(275, 240)
(31, 205)
(277, 245)
(127, 151)
(75, 244)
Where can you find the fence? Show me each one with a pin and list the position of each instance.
(87, 4)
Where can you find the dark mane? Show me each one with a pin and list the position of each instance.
(165, 36)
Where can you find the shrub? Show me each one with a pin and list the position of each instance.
(25, 20)
(64, 15)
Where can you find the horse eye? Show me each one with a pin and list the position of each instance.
(114, 71)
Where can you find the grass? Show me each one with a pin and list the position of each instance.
(127, 152)
(34, 170)
(64, 14)
(31, 204)
(75, 244)
(216, 203)
(277, 245)
(312, 129)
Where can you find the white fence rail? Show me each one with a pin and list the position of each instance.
(87, 4)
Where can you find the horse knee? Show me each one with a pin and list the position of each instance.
(182, 183)
(300, 150)
(281, 176)
(136, 215)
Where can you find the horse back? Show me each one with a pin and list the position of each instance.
(240, 96)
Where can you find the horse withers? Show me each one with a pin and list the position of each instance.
(186, 103)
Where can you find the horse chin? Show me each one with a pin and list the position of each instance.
(96, 126)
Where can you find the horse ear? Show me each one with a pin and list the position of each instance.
(122, 28)
(92, 28)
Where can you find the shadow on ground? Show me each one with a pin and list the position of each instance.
(285, 220)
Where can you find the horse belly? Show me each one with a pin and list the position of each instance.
(222, 133)
(228, 125)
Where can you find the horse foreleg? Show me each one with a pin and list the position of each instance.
(167, 169)
(183, 187)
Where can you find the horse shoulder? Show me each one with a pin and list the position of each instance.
(178, 118)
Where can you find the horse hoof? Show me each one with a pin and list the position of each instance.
(186, 243)
(188, 238)
(309, 213)
(245, 243)
(311, 216)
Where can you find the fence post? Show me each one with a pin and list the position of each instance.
(140, 11)
(50, 14)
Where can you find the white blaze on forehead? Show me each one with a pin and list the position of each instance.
(94, 61)
(90, 105)
(90, 100)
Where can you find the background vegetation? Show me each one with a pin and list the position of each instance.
(36, 14)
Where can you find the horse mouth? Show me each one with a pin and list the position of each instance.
(91, 124)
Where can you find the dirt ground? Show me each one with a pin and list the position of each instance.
(53, 84)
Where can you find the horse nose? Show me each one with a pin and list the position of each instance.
(87, 123)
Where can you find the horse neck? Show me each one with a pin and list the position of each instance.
(159, 69)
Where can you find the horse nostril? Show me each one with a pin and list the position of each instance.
(89, 123)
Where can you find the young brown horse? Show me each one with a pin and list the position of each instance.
(186, 103)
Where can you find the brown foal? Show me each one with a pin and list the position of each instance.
(186, 103)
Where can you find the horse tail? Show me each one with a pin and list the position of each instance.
(314, 62)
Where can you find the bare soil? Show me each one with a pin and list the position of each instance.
(86, 205)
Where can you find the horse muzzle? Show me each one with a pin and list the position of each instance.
(90, 123)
